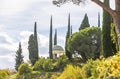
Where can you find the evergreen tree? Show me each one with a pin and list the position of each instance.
(19, 57)
(36, 42)
(106, 39)
(71, 30)
(68, 53)
(85, 22)
(55, 37)
(50, 40)
(33, 46)
(98, 19)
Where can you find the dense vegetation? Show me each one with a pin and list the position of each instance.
(84, 57)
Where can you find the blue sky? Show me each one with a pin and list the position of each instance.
(17, 19)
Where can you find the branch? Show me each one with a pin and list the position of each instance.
(106, 8)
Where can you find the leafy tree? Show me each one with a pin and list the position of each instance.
(19, 57)
(55, 37)
(86, 42)
(114, 13)
(50, 40)
(106, 29)
(85, 22)
(33, 46)
(68, 53)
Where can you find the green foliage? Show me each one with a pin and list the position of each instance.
(33, 46)
(50, 40)
(60, 63)
(38, 66)
(85, 23)
(72, 72)
(4, 74)
(106, 29)
(99, 69)
(24, 68)
(48, 65)
(19, 57)
(114, 39)
(86, 42)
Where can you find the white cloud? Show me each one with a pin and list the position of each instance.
(12, 7)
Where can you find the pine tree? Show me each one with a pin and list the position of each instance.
(19, 57)
(85, 22)
(50, 40)
(106, 39)
(98, 19)
(55, 37)
(33, 46)
(68, 54)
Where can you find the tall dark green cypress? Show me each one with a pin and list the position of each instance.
(19, 57)
(55, 37)
(71, 30)
(50, 40)
(85, 22)
(98, 19)
(33, 46)
(36, 42)
(68, 53)
(107, 44)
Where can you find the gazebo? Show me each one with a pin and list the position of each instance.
(57, 51)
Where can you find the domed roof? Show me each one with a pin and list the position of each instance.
(57, 48)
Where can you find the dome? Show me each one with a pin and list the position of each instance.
(57, 48)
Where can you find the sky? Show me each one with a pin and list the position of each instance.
(17, 19)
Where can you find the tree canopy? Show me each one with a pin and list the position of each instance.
(86, 42)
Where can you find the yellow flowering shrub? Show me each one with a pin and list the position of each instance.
(102, 68)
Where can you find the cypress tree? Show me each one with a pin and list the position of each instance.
(50, 40)
(107, 44)
(98, 19)
(68, 54)
(36, 42)
(19, 57)
(55, 37)
(33, 46)
(85, 23)
(71, 30)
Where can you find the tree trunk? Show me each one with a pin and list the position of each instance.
(115, 15)
(116, 18)
(117, 28)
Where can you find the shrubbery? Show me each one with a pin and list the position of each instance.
(4, 74)
(72, 72)
(24, 68)
(60, 63)
(99, 69)
(50, 64)
(38, 66)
